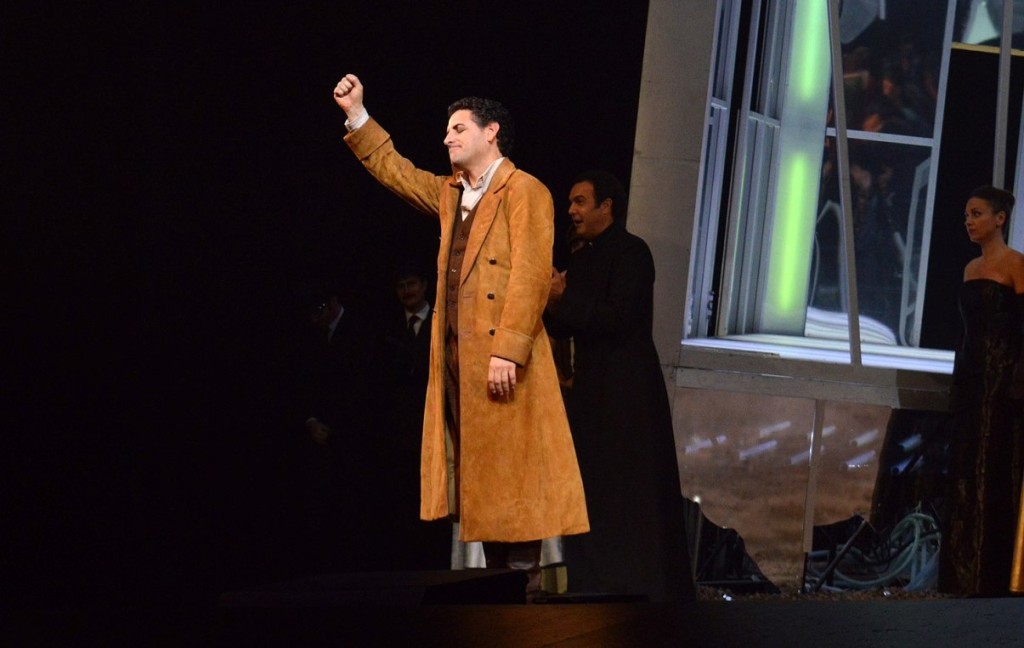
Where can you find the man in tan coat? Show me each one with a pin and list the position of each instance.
(497, 452)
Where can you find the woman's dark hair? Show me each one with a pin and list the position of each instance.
(486, 111)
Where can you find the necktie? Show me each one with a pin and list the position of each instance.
(412, 324)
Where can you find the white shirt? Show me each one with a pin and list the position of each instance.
(472, 195)
(422, 314)
(334, 323)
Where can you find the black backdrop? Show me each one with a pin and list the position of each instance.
(966, 162)
(174, 184)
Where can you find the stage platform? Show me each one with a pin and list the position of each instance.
(359, 614)
(960, 623)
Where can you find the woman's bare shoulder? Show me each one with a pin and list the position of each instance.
(1015, 268)
(972, 269)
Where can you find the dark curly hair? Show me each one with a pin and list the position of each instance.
(486, 111)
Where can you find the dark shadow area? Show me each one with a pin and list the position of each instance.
(966, 163)
(175, 184)
(721, 559)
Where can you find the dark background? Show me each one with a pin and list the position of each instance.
(175, 190)
(968, 134)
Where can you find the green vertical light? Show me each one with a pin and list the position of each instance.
(801, 134)
(791, 239)
(806, 62)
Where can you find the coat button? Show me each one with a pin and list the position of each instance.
(491, 331)
(490, 295)
(492, 261)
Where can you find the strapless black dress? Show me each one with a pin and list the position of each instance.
(987, 448)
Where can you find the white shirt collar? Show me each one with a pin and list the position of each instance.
(485, 178)
(334, 322)
(421, 313)
(472, 195)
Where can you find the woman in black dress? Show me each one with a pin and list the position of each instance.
(987, 450)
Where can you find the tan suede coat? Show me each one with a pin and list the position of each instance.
(519, 479)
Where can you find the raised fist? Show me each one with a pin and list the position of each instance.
(348, 94)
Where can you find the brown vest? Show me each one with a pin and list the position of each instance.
(455, 258)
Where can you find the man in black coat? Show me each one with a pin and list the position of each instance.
(412, 544)
(340, 361)
(618, 407)
(337, 398)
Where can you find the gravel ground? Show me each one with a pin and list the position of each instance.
(793, 594)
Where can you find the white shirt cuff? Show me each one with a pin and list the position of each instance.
(352, 125)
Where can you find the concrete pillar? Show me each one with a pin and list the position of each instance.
(667, 151)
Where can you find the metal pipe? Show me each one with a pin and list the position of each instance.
(1003, 97)
(843, 171)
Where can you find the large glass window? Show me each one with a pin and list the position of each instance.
(771, 258)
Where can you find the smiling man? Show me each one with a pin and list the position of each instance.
(497, 454)
(618, 406)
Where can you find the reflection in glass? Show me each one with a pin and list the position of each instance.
(885, 179)
(891, 70)
(891, 67)
(747, 457)
(979, 22)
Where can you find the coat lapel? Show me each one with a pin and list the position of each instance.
(486, 211)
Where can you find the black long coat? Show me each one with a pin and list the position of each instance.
(338, 390)
(408, 542)
(621, 426)
(341, 376)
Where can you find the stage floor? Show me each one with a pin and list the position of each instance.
(757, 623)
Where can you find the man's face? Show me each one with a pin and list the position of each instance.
(322, 314)
(468, 144)
(589, 218)
(411, 291)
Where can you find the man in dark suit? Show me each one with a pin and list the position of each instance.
(338, 398)
(618, 407)
(340, 360)
(411, 542)
(409, 336)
